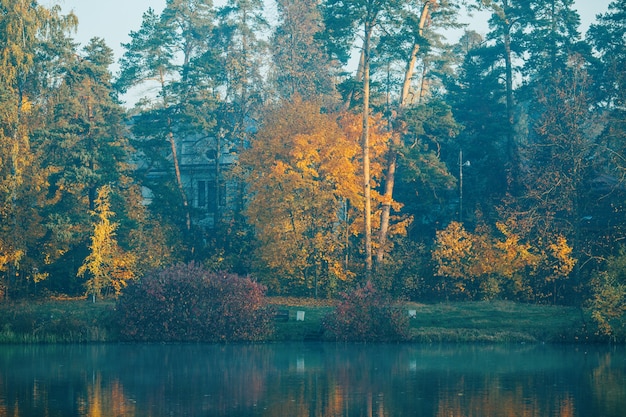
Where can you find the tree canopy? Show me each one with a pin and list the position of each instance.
(319, 147)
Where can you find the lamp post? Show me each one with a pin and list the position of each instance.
(461, 165)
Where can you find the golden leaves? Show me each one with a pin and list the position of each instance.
(305, 184)
(495, 259)
(107, 264)
(562, 261)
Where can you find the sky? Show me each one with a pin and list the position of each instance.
(114, 19)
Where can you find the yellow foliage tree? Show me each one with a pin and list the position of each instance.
(484, 263)
(379, 142)
(608, 301)
(107, 265)
(304, 180)
(558, 263)
(25, 27)
(301, 172)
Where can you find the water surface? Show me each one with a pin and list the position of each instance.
(312, 380)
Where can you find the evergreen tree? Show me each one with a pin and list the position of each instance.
(242, 53)
(84, 146)
(507, 23)
(415, 38)
(302, 65)
(176, 51)
(478, 99)
(607, 38)
(550, 37)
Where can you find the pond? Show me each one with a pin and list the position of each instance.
(312, 379)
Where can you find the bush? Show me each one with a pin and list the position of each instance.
(366, 314)
(608, 301)
(189, 303)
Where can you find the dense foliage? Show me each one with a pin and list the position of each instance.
(189, 303)
(608, 303)
(356, 145)
(367, 315)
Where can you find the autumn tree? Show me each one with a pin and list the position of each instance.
(608, 301)
(302, 177)
(344, 18)
(560, 160)
(390, 32)
(108, 266)
(499, 263)
(27, 31)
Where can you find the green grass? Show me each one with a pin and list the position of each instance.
(499, 321)
(308, 329)
(481, 321)
(79, 321)
(55, 321)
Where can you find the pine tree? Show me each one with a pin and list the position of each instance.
(174, 51)
(302, 65)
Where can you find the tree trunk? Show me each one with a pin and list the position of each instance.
(367, 210)
(172, 141)
(359, 78)
(179, 180)
(410, 68)
(510, 145)
(390, 178)
(408, 76)
(386, 209)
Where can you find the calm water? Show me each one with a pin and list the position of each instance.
(289, 380)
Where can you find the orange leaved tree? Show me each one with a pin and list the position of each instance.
(302, 174)
(303, 171)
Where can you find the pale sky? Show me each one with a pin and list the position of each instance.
(111, 20)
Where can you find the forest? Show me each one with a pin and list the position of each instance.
(362, 146)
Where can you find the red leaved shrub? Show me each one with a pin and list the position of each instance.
(367, 314)
(189, 303)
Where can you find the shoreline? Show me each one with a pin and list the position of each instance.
(495, 322)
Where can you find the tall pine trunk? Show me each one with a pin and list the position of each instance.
(367, 210)
(392, 160)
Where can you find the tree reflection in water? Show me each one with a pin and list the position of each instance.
(276, 380)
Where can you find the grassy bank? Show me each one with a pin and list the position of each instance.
(56, 321)
(500, 321)
(79, 321)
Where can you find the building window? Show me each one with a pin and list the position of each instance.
(212, 196)
(208, 196)
(211, 154)
(202, 194)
